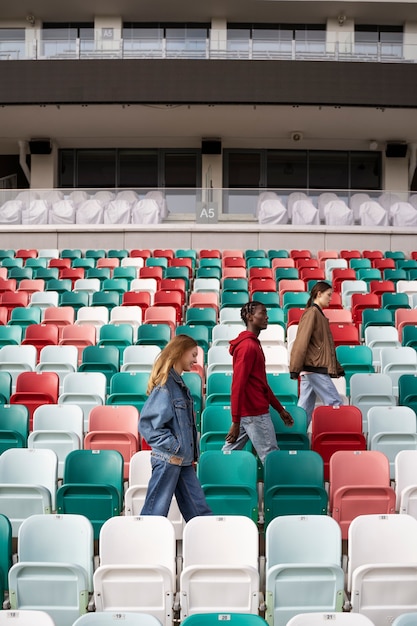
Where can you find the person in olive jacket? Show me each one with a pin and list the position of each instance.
(313, 355)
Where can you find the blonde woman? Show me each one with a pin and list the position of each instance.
(167, 424)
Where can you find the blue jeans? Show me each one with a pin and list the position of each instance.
(313, 385)
(168, 479)
(260, 430)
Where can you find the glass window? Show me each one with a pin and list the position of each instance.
(328, 170)
(66, 168)
(143, 40)
(12, 43)
(310, 40)
(58, 41)
(287, 169)
(190, 42)
(138, 168)
(386, 40)
(365, 170)
(243, 169)
(181, 169)
(96, 168)
(238, 41)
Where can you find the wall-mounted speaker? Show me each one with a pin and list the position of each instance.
(396, 150)
(211, 146)
(40, 146)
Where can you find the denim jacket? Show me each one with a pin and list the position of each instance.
(167, 422)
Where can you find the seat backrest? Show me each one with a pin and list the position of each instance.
(140, 469)
(57, 539)
(114, 418)
(364, 384)
(130, 540)
(38, 383)
(19, 355)
(236, 468)
(303, 539)
(86, 383)
(212, 540)
(294, 467)
(391, 419)
(65, 355)
(65, 417)
(332, 419)
(358, 467)
(26, 466)
(95, 467)
(381, 539)
(144, 355)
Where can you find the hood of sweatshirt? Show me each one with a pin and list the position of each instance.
(246, 334)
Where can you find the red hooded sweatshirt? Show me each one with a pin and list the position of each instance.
(251, 394)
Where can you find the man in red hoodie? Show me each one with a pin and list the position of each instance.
(251, 395)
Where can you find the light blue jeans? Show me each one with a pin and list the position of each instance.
(260, 430)
(168, 479)
(313, 385)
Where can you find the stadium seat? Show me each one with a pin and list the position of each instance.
(390, 430)
(139, 358)
(137, 569)
(294, 484)
(92, 486)
(41, 335)
(14, 427)
(53, 548)
(381, 574)
(336, 428)
(398, 361)
(114, 428)
(79, 336)
(223, 551)
(34, 389)
(60, 359)
(128, 388)
(28, 481)
(350, 494)
(87, 389)
(229, 482)
(103, 359)
(368, 390)
(303, 566)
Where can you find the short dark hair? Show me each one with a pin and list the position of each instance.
(249, 309)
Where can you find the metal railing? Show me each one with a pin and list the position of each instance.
(162, 48)
(201, 205)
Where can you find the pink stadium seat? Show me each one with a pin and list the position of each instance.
(162, 315)
(114, 427)
(404, 317)
(60, 316)
(80, 336)
(359, 485)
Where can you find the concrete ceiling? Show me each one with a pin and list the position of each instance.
(297, 11)
(182, 126)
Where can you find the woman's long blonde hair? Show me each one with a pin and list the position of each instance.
(170, 355)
